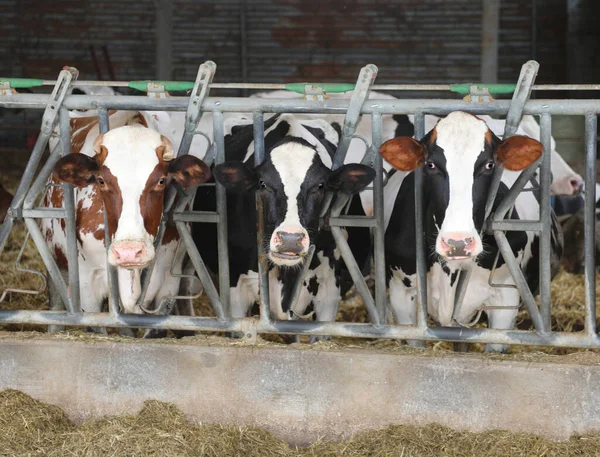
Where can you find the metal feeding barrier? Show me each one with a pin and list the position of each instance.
(478, 100)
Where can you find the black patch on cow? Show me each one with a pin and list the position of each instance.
(313, 286)
(320, 135)
(338, 128)
(453, 277)
(406, 282)
(241, 136)
(404, 127)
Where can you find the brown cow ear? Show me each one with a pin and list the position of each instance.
(100, 149)
(189, 171)
(77, 169)
(165, 150)
(403, 153)
(518, 152)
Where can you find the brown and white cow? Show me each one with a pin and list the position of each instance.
(126, 171)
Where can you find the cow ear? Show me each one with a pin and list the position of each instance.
(188, 171)
(351, 178)
(403, 153)
(235, 176)
(518, 152)
(77, 169)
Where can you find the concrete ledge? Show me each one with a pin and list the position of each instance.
(301, 395)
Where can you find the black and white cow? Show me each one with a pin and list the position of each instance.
(292, 181)
(458, 156)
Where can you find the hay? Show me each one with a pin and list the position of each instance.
(32, 428)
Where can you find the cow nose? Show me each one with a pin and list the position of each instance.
(457, 245)
(577, 185)
(129, 253)
(292, 242)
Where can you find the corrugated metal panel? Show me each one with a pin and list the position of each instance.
(424, 41)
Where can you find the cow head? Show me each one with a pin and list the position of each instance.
(131, 169)
(459, 156)
(292, 182)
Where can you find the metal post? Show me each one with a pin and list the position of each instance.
(219, 140)
(71, 219)
(263, 261)
(546, 233)
(490, 30)
(419, 233)
(378, 229)
(164, 39)
(591, 132)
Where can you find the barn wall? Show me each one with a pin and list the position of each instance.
(286, 40)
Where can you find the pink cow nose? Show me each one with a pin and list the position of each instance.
(458, 245)
(129, 253)
(577, 185)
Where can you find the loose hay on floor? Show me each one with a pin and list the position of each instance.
(32, 428)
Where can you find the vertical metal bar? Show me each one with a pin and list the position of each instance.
(263, 261)
(419, 233)
(591, 132)
(545, 235)
(71, 221)
(378, 229)
(219, 139)
(490, 30)
(164, 39)
(112, 276)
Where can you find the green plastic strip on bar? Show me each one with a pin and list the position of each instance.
(493, 88)
(327, 87)
(22, 83)
(168, 85)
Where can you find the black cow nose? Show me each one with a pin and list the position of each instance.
(290, 242)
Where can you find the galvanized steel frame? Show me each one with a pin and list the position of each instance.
(57, 104)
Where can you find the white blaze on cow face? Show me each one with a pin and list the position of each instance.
(462, 138)
(131, 159)
(292, 161)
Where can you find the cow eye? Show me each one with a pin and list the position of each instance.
(161, 181)
(431, 165)
(321, 185)
(489, 165)
(263, 185)
(100, 180)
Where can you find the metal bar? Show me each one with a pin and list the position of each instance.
(112, 276)
(356, 274)
(338, 329)
(352, 221)
(201, 269)
(522, 93)
(511, 225)
(419, 233)
(223, 245)
(299, 283)
(50, 263)
(520, 282)
(330, 106)
(45, 213)
(379, 228)
(490, 31)
(366, 77)
(71, 220)
(205, 75)
(545, 220)
(591, 133)
(263, 261)
(196, 216)
(509, 199)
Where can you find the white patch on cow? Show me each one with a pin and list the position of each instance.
(462, 137)
(292, 161)
(131, 159)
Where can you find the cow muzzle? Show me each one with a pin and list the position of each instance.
(458, 246)
(130, 254)
(288, 247)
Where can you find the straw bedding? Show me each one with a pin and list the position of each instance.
(30, 427)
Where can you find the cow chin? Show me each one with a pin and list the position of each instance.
(283, 259)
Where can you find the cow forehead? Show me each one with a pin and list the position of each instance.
(131, 154)
(292, 161)
(462, 136)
